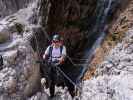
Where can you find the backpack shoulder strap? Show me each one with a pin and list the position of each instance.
(50, 51)
(61, 48)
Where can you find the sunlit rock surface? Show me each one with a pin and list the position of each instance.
(113, 80)
(20, 75)
(9, 7)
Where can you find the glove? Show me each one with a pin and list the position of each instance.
(61, 61)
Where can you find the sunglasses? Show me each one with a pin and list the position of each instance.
(55, 41)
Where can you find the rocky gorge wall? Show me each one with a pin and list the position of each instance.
(113, 78)
(20, 75)
(120, 24)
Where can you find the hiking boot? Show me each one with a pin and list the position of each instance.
(73, 94)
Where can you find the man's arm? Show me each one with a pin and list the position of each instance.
(62, 59)
(64, 52)
(46, 53)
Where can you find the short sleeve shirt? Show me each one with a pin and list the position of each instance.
(56, 54)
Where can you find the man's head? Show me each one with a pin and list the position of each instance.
(56, 41)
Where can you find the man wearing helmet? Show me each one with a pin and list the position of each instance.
(55, 53)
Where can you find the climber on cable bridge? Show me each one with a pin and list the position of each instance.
(54, 54)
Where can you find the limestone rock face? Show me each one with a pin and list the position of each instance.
(10, 7)
(113, 80)
(20, 73)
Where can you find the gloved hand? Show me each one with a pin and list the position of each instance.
(61, 61)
